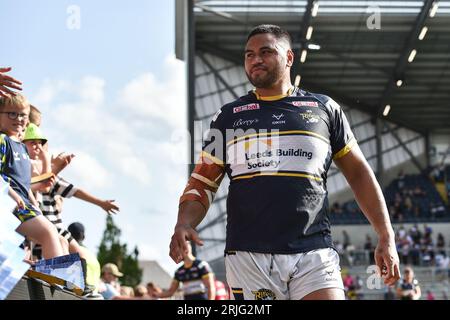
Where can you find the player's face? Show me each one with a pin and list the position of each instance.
(267, 60)
(9, 125)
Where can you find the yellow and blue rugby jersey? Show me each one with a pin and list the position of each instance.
(277, 153)
(15, 166)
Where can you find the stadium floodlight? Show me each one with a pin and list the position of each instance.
(423, 33)
(297, 80)
(315, 8)
(303, 56)
(313, 46)
(434, 9)
(386, 110)
(309, 33)
(412, 55)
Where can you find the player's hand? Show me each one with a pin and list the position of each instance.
(387, 260)
(61, 161)
(7, 83)
(178, 247)
(109, 206)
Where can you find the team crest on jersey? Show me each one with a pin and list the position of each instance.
(305, 103)
(247, 107)
(310, 117)
(264, 294)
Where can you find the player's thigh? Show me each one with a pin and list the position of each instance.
(318, 272)
(248, 276)
(326, 294)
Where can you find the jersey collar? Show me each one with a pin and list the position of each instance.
(274, 98)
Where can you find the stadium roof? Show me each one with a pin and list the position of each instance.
(365, 48)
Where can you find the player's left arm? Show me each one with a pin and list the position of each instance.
(370, 198)
(208, 281)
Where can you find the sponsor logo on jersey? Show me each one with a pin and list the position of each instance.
(247, 122)
(305, 103)
(269, 156)
(216, 115)
(278, 118)
(310, 117)
(330, 276)
(264, 294)
(247, 107)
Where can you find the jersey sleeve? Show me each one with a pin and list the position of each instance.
(63, 188)
(342, 138)
(210, 168)
(204, 268)
(214, 144)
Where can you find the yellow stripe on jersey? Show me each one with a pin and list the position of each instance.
(298, 175)
(345, 149)
(237, 291)
(273, 98)
(309, 133)
(206, 275)
(212, 158)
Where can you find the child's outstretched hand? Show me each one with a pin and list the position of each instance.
(109, 206)
(61, 161)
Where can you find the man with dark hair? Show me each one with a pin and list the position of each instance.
(276, 145)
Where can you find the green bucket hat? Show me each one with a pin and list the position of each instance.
(33, 132)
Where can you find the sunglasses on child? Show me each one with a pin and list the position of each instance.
(14, 115)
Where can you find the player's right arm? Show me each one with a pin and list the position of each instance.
(200, 190)
(194, 203)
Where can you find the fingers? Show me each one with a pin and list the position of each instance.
(10, 82)
(391, 280)
(6, 90)
(380, 264)
(196, 238)
(175, 250)
(5, 69)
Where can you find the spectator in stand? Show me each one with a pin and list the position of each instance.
(140, 291)
(336, 209)
(109, 286)
(430, 295)
(408, 287)
(401, 180)
(440, 243)
(34, 141)
(153, 290)
(346, 239)
(369, 247)
(7, 83)
(93, 272)
(15, 170)
(126, 291)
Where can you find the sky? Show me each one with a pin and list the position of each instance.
(105, 76)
